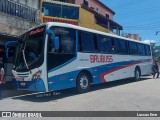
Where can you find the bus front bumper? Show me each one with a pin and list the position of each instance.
(34, 85)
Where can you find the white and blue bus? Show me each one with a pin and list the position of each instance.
(56, 56)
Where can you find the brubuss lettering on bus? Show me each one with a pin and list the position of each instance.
(36, 31)
(101, 58)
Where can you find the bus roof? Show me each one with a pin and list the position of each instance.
(49, 24)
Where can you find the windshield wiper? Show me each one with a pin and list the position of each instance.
(24, 57)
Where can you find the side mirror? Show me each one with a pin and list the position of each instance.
(56, 43)
(7, 53)
(9, 44)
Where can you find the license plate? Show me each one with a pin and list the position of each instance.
(23, 84)
(19, 78)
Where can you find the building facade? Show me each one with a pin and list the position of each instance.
(16, 16)
(132, 36)
(55, 11)
(97, 6)
(91, 14)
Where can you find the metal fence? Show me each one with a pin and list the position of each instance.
(18, 10)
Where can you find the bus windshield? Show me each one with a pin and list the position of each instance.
(30, 50)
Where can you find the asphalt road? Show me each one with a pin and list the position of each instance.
(123, 95)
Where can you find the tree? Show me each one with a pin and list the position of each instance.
(155, 52)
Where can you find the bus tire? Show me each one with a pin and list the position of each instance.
(137, 74)
(83, 82)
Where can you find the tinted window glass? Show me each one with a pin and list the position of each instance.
(115, 46)
(107, 15)
(104, 44)
(67, 39)
(58, 10)
(85, 2)
(87, 42)
(148, 50)
(133, 48)
(120, 46)
(141, 49)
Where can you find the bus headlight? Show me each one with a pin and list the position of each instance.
(37, 75)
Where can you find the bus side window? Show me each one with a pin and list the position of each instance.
(50, 44)
(104, 44)
(87, 42)
(133, 48)
(122, 47)
(147, 50)
(67, 39)
(79, 43)
(67, 44)
(115, 46)
(119, 46)
(141, 49)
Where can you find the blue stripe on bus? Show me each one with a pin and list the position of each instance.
(63, 65)
(64, 81)
(35, 85)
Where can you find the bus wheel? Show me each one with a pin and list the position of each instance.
(83, 82)
(137, 74)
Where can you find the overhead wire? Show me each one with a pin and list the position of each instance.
(128, 4)
(140, 12)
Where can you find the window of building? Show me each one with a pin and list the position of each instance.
(87, 42)
(14, 0)
(107, 15)
(86, 3)
(97, 9)
(62, 1)
(104, 44)
(57, 10)
(45, 11)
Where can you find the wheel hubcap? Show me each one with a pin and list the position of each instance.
(84, 82)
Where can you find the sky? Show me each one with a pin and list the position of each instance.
(138, 17)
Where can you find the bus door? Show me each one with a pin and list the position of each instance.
(61, 52)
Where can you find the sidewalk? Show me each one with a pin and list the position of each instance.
(8, 90)
(7, 86)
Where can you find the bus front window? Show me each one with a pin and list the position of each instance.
(29, 54)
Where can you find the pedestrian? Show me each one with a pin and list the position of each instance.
(155, 69)
(2, 81)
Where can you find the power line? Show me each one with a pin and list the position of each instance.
(140, 12)
(143, 19)
(144, 25)
(129, 4)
